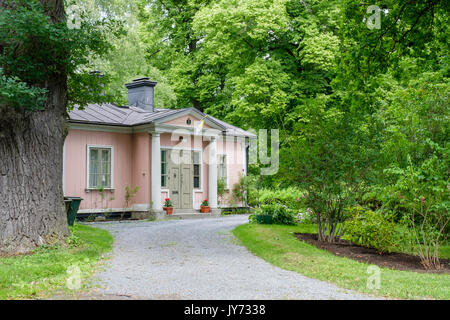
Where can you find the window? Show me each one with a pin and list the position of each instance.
(197, 170)
(164, 168)
(222, 168)
(100, 167)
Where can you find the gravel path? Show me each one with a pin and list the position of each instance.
(197, 259)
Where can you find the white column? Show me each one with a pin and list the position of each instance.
(244, 155)
(212, 174)
(156, 172)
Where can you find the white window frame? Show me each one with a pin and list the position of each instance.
(166, 187)
(88, 153)
(227, 180)
(200, 187)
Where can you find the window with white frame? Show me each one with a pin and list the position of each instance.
(197, 170)
(222, 168)
(100, 167)
(164, 171)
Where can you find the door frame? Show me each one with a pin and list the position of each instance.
(194, 191)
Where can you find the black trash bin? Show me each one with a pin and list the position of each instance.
(72, 203)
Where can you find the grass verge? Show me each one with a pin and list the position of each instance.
(41, 274)
(277, 245)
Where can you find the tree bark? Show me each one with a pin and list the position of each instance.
(32, 211)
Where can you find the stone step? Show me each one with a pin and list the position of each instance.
(190, 214)
(176, 211)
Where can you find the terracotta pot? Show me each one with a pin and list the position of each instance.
(168, 210)
(204, 209)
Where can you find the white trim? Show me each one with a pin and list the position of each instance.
(139, 207)
(161, 149)
(111, 210)
(170, 128)
(104, 210)
(202, 175)
(99, 127)
(148, 127)
(166, 190)
(64, 169)
(244, 152)
(191, 112)
(91, 146)
(181, 148)
(156, 171)
(227, 187)
(212, 173)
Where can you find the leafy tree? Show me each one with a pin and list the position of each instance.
(39, 56)
(424, 192)
(126, 59)
(408, 29)
(171, 46)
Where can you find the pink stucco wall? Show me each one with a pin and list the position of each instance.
(132, 165)
(141, 166)
(76, 167)
(235, 163)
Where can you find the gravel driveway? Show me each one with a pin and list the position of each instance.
(197, 259)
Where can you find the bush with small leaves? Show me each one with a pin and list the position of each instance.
(369, 228)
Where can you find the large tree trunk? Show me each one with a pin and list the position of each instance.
(32, 210)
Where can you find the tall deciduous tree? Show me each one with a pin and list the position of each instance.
(38, 55)
(172, 47)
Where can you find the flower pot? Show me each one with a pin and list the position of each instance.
(204, 209)
(168, 210)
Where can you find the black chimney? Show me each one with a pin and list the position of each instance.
(141, 94)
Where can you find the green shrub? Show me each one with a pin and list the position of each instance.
(307, 217)
(371, 229)
(291, 197)
(280, 214)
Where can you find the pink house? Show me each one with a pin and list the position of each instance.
(178, 154)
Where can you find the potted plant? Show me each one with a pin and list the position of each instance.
(168, 206)
(204, 207)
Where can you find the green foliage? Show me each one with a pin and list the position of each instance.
(414, 29)
(371, 229)
(423, 191)
(168, 203)
(292, 197)
(277, 245)
(240, 190)
(280, 214)
(125, 60)
(42, 273)
(349, 101)
(221, 189)
(37, 49)
(170, 45)
(130, 194)
(15, 92)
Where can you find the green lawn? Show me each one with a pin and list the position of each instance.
(277, 245)
(44, 272)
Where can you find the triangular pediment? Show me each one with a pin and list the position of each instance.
(190, 118)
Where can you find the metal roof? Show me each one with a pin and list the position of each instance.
(110, 114)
